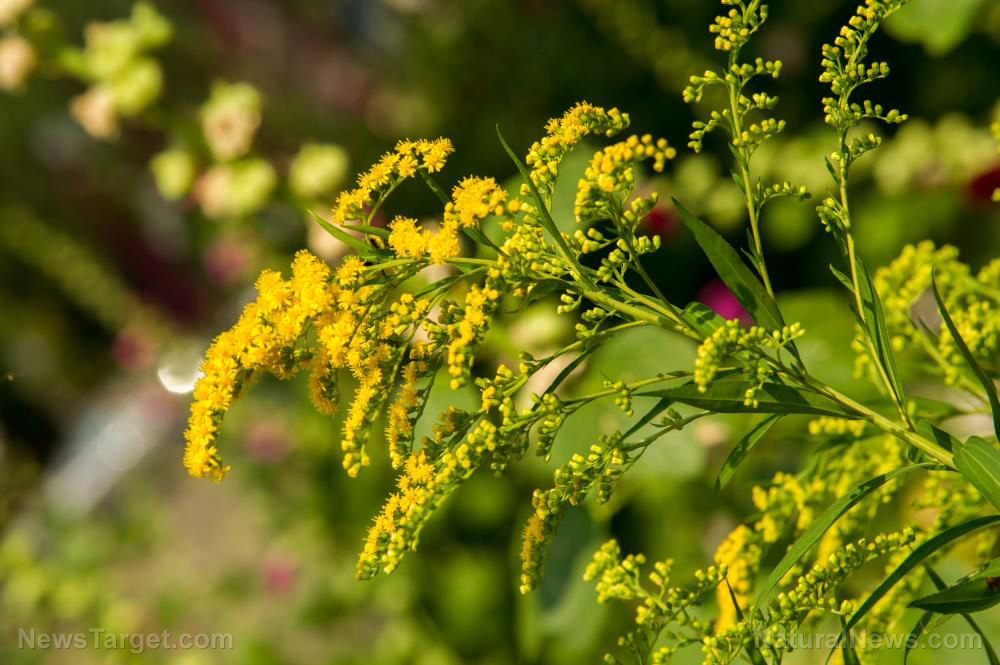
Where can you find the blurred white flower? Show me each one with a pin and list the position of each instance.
(317, 169)
(237, 189)
(95, 111)
(17, 59)
(230, 118)
(11, 9)
(174, 170)
(136, 86)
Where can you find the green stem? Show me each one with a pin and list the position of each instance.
(742, 155)
(883, 423)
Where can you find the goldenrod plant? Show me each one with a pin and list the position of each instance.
(412, 305)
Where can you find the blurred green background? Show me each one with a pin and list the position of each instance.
(109, 293)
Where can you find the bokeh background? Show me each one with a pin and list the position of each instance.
(118, 265)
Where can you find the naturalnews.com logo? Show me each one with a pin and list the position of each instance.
(137, 643)
(870, 641)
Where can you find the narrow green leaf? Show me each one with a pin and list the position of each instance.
(991, 654)
(918, 555)
(648, 417)
(979, 462)
(433, 186)
(360, 246)
(701, 318)
(741, 450)
(368, 230)
(938, 435)
(847, 651)
(988, 385)
(753, 653)
(874, 319)
(479, 237)
(734, 272)
(842, 278)
(819, 526)
(543, 210)
(970, 596)
(918, 629)
(728, 396)
(568, 369)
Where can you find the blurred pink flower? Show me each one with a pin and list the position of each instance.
(717, 295)
(133, 348)
(228, 259)
(278, 575)
(981, 187)
(267, 441)
(661, 221)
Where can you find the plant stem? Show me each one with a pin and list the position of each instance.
(742, 156)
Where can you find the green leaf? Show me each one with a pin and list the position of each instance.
(918, 629)
(917, 556)
(991, 654)
(543, 210)
(938, 435)
(369, 230)
(753, 653)
(568, 369)
(819, 526)
(647, 418)
(701, 318)
(360, 246)
(848, 653)
(741, 450)
(969, 596)
(734, 272)
(479, 237)
(842, 278)
(727, 396)
(979, 462)
(874, 323)
(988, 385)
(433, 186)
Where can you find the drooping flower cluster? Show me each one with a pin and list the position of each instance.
(562, 135)
(263, 340)
(394, 167)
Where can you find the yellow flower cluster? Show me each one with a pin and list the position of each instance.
(399, 430)
(473, 200)
(830, 426)
(263, 339)
(740, 555)
(970, 300)
(420, 489)
(370, 344)
(734, 29)
(387, 173)
(537, 535)
(562, 134)
(610, 177)
(466, 333)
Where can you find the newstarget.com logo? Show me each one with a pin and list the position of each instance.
(136, 643)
